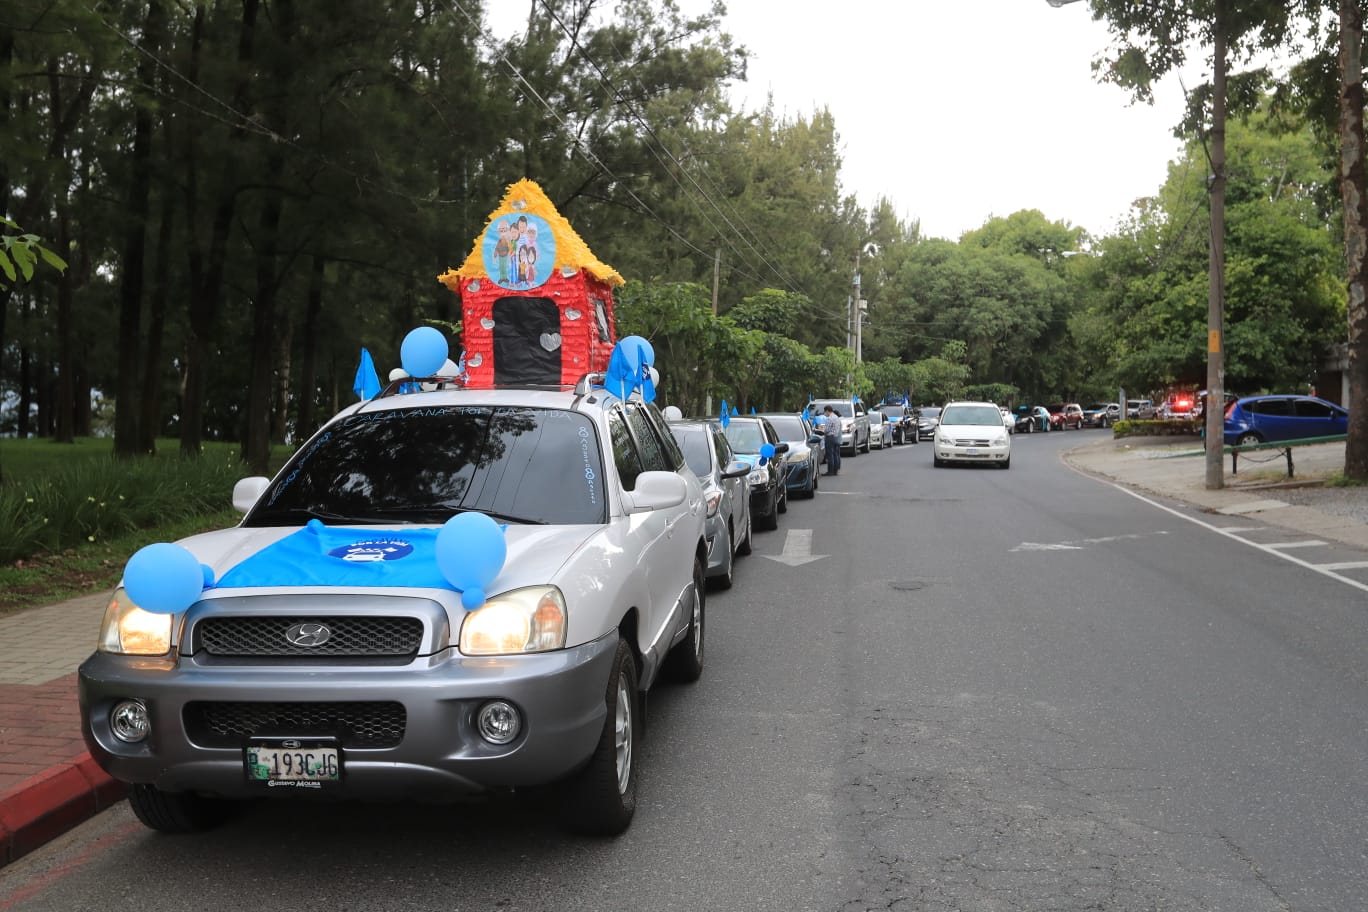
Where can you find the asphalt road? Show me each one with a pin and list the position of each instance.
(971, 689)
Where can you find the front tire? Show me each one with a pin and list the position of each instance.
(1248, 439)
(175, 812)
(602, 797)
(744, 548)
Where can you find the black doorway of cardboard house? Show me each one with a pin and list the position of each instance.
(527, 341)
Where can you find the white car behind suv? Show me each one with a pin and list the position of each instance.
(334, 647)
(971, 432)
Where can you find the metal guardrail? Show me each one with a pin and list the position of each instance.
(1285, 445)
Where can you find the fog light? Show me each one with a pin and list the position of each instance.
(128, 720)
(499, 722)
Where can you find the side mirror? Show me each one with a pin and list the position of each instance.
(247, 491)
(815, 438)
(781, 447)
(655, 491)
(737, 469)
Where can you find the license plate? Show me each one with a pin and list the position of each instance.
(971, 451)
(293, 763)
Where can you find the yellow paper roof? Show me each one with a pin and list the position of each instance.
(522, 198)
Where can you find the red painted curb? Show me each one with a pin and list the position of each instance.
(46, 805)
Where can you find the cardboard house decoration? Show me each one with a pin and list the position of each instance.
(536, 306)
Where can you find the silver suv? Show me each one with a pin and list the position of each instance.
(854, 422)
(329, 652)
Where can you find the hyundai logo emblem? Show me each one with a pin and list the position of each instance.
(291, 744)
(307, 635)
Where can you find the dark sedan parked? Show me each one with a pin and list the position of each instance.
(749, 436)
(903, 422)
(804, 457)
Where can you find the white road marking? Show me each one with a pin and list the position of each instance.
(797, 549)
(1345, 565)
(1317, 568)
(1079, 545)
(1310, 543)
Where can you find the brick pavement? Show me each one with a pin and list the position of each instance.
(48, 783)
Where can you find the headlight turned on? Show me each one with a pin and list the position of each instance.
(517, 622)
(129, 630)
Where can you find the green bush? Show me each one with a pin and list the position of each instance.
(1173, 427)
(87, 500)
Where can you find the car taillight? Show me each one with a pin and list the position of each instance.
(1229, 408)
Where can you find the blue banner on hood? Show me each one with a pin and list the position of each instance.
(318, 555)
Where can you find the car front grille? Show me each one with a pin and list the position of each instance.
(354, 724)
(347, 637)
(976, 442)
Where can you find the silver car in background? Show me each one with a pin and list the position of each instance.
(726, 493)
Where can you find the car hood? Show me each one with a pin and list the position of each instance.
(973, 430)
(535, 555)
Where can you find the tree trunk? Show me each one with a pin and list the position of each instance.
(1355, 196)
(308, 368)
(208, 264)
(256, 448)
(149, 422)
(126, 410)
(65, 401)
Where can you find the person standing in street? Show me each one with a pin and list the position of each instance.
(831, 439)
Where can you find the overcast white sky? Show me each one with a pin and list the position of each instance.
(956, 110)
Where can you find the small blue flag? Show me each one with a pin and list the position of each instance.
(367, 382)
(734, 411)
(752, 410)
(726, 415)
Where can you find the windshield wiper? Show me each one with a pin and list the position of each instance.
(431, 513)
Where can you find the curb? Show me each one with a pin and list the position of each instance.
(50, 803)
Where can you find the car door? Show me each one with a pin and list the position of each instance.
(1319, 419)
(647, 540)
(736, 491)
(1273, 418)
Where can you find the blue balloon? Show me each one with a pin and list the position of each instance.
(638, 352)
(767, 450)
(470, 551)
(424, 352)
(163, 578)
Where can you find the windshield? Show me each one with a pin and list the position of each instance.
(697, 447)
(745, 436)
(894, 411)
(425, 465)
(929, 411)
(971, 414)
(788, 427)
(843, 408)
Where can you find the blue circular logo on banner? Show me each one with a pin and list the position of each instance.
(376, 549)
(519, 251)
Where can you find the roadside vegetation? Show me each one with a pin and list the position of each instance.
(72, 514)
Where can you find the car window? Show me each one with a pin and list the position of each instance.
(745, 437)
(1270, 407)
(1309, 408)
(428, 464)
(789, 427)
(649, 444)
(721, 447)
(971, 414)
(894, 411)
(625, 454)
(696, 444)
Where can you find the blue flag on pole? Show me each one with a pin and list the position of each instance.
(726, 414)
(367, 382)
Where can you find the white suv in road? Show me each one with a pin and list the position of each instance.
(328, 651)
(854, 422)
(971, 432)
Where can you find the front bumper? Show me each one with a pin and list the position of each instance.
(971, 451)
(798, 475)
(436, 751)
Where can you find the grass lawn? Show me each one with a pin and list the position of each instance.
(94, 563)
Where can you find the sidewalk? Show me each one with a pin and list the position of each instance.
(49, 784)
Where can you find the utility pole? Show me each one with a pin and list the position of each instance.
(717, 276)
(1214, 410)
